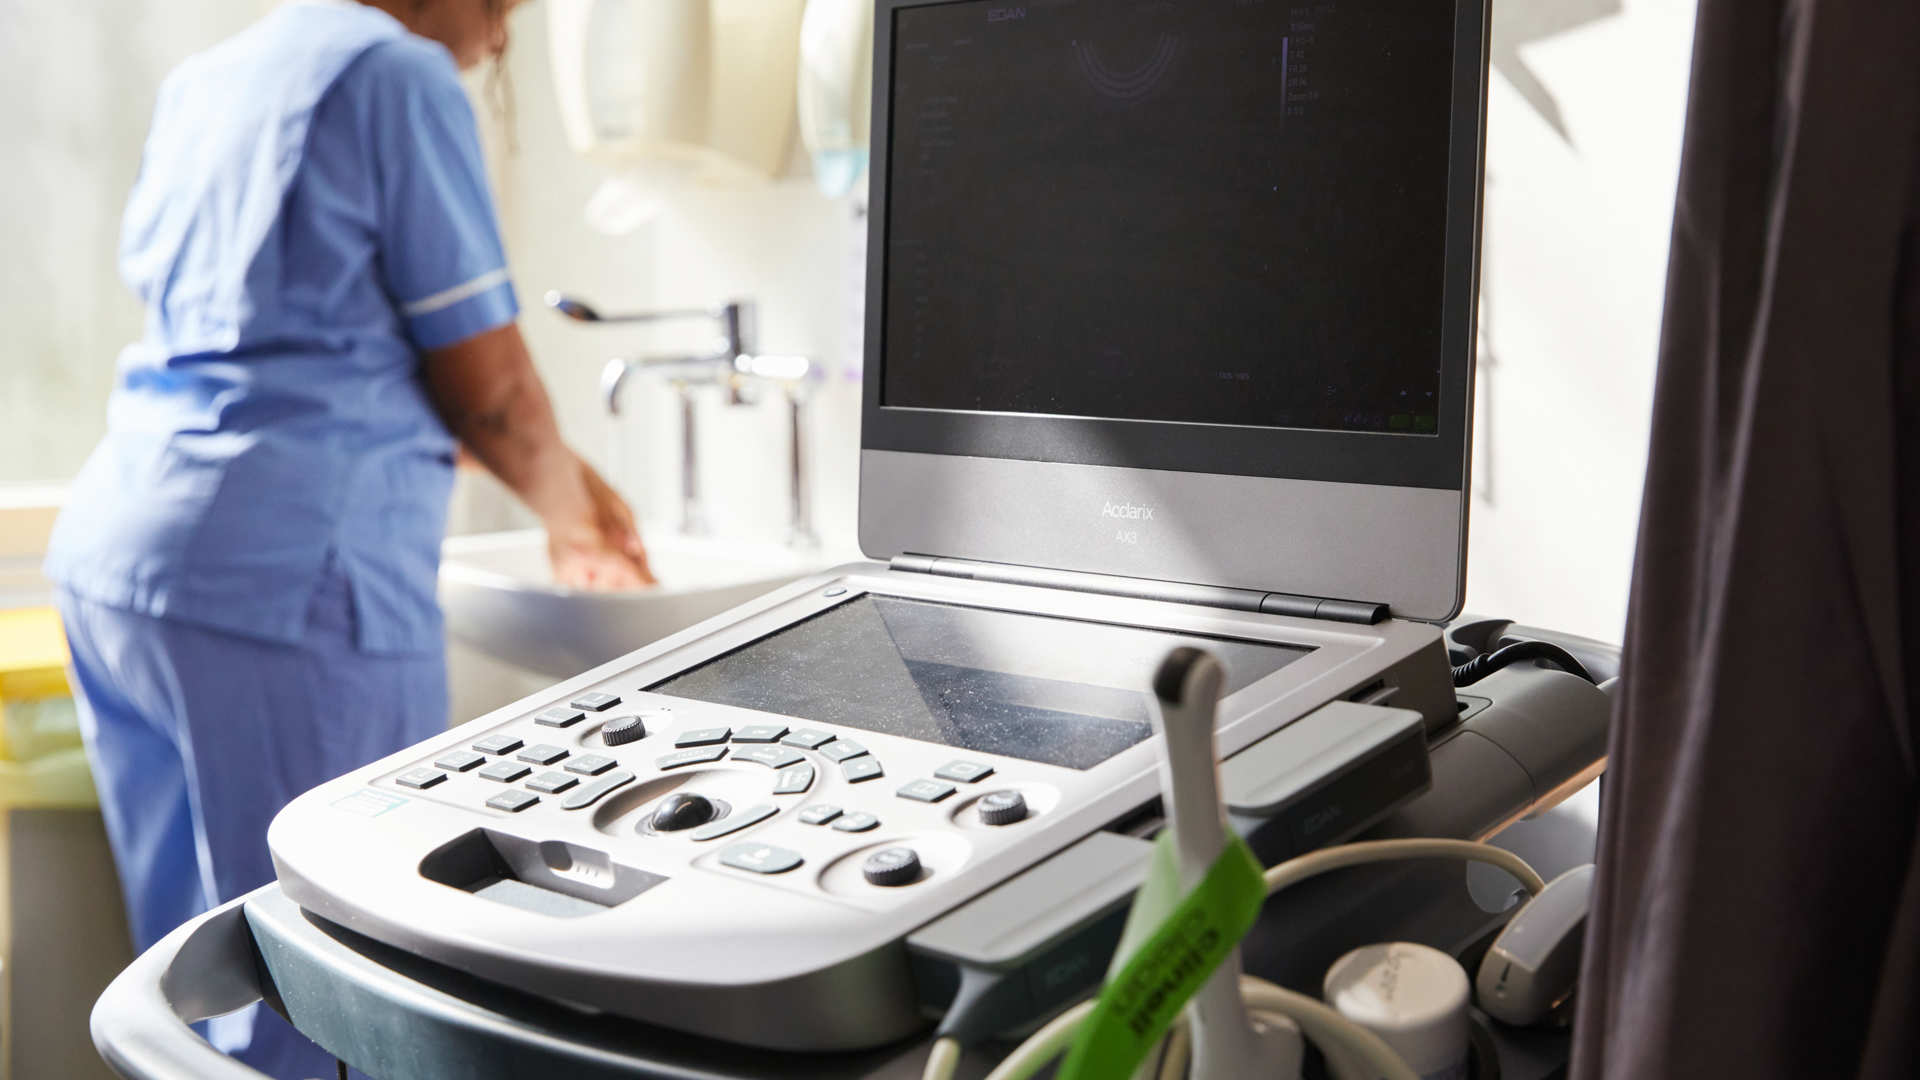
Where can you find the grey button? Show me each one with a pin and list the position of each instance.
(590, 764)
(859, 769)
(460, 760)
(697, 756)
(842, 749)
(559, 716)
(420, 778)
(706, 736)
(505, 771)
(512, 801)
(593, 791)
(760, 858)
(965, 772)
(857, 822)
(808, 738)
(542, 753)
(497, 744)
(773, 757)
(793, 779)
(760, 733)
(595, 702)
(924, 790)
(552, 783)
(819, 813)
(734, 822)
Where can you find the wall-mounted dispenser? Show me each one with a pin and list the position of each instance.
(836, 90)
(699, 88)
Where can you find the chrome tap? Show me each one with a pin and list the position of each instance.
(728, 362)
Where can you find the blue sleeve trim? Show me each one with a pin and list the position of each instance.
(464, 317)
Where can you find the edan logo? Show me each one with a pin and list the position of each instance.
(1127, 511)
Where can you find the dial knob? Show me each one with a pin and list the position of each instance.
(1002, 808)
(892, 866)
(682, 810)
(622, 730)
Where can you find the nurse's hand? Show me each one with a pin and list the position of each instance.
(491, 398)
(602, 550)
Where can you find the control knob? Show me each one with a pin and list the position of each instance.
(1002, 808)
(892, 866)
(622, 730)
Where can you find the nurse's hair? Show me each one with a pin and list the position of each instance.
(499, 81)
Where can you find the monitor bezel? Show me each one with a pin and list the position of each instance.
(1427, 463)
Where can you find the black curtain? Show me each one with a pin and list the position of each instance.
(1757, 912)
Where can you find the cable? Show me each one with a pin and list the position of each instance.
(943, 1060)
(1042, 1046)
(1337, 1036)
(1315, 863)
(1486, 664)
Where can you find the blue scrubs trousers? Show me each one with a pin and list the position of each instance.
(198, 737)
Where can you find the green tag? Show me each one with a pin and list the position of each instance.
(1140, 1001)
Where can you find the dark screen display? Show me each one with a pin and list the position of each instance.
(1208, 211)
(1052, 690)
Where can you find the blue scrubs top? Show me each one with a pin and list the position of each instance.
(312, 212)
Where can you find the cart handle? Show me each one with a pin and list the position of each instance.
(205, 968)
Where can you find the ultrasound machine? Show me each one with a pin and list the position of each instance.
(1170, 337)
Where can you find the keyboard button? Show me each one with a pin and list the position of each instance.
(760, 858)
(420, 778)
(809, 738)
(842, 749)
(505, 771)
(542, 753)
(590, 764)
(595, 702)
(862, 769)
(512, 801)
(699, 755)
(793, 779)
(856, 822)
(706, 736)
(552, 783)
(460, 760)
(560, 717)
(593, 791)
(927, 791)
(964, 772)
(760, 733)
(498, 744)
(773, 757)
(818, 814)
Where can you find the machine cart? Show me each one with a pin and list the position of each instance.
(399, 1017)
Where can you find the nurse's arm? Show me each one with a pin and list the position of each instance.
(492, 399)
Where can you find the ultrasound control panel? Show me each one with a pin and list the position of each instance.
(734, 831)
(728, 790)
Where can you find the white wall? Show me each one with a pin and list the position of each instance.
(782, 245)
(1575, 265)
(77, 83)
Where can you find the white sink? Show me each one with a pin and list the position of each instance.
(500, 599)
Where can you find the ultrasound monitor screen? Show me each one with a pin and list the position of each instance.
(1201, 211)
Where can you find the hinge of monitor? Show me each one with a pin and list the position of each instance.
(1364, 612)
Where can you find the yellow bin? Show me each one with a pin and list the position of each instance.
(63, 933)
